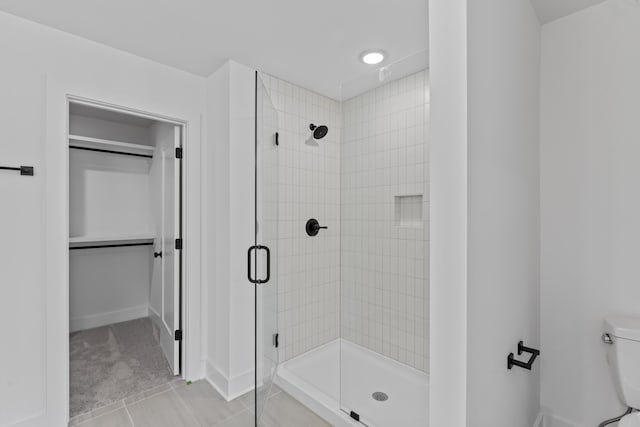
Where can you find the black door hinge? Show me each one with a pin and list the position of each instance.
(178, 152)
(178, 335)
(178, 243)
(276, 342)
(355, 416)
(277, 138)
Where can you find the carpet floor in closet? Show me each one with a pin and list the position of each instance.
(113, 362)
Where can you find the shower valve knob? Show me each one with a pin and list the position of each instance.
(313, 227)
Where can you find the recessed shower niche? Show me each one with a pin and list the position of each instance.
(354, 312)
(408, 211)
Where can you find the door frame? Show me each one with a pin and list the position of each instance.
(74, 99)
(59, 96)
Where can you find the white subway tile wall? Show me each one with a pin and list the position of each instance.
(365, 277)
(384, 236)
(309, 187)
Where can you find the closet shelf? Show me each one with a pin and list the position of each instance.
(106, 144)
(76, 242)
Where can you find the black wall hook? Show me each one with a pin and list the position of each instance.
(511, 361)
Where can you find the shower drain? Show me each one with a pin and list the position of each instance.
(380, 396)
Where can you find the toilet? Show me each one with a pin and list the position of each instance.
(623, 333)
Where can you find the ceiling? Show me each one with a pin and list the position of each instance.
(550, 10)
(310, 43)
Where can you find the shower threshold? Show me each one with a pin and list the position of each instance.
(313, 378)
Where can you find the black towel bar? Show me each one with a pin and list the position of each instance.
(24, 170)
(511, 361)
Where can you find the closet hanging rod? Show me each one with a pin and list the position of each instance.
(116, 245)
(99, 150)
(24, 170)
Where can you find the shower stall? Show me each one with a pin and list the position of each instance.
(341, 255)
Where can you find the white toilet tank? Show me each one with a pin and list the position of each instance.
(624, 357)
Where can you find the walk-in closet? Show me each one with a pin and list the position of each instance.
(124, 254)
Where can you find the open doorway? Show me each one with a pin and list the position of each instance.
(125, 254)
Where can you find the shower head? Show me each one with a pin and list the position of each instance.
(319, 132)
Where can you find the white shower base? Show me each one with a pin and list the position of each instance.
(313, 378)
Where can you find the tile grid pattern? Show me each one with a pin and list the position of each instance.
(180, 405)
(373, 161)
(384, 269)
(309, 187)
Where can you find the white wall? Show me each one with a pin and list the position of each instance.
(384, 257)
(484, 160)
(503, 145)
(590, 208)
(33, 374)
(230, 214)
(108, 285)
(448, 275)
(218, 234)
(22, 217)
(108, 195)
(107, 129)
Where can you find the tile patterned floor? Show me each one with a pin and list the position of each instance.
(198, 405)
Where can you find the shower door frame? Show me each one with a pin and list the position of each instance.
(264, 336)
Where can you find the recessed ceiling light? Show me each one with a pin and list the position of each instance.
(372, 57)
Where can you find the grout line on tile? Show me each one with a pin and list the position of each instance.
(129, 415)
(185, 406)
(178, 383)
(244, 403)
(236, 415)
(74, 421)
(231, 416)
(272, 393)
(148, 396)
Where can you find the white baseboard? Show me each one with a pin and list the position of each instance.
(229, 388)
(153, 313)
(557, 421)
(102, 319)
(156, 323)
(217, 380)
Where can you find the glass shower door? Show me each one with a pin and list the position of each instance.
(266, 241)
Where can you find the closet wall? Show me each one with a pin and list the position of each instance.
(109, 196)
(117, 199)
